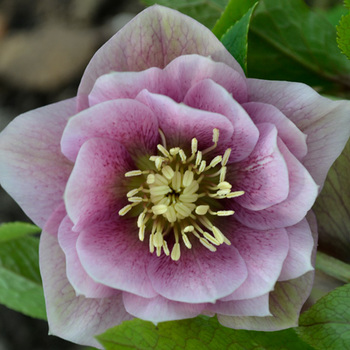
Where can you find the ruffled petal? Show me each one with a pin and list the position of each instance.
(264, 253)
(200, 275)
(258, 306)
(208, 96)
(186, 71)
(292, 137)
(95, 190)
(181, 123)
(325, 122)
(301, 244)
(159, 309)
(153, 39)
(32, 168)
(112, 254)
(263, 176)
(65, 310)
(82, 283)
(302, 194)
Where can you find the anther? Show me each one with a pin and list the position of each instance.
(159, 209)
(194, 145)
(202, 209)
(226, 157)
(175, 253)
(133, 192)
(235, 194)
(126, 209)
(133, 173)
(163, 150)
(150, 179)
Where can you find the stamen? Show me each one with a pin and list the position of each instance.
(163, 150)
(150, 179)
(133, 192)
(189, 228)
(186, 241)
(126, 209)
(135, 199)
(175, 253)
(202, 209)
(168, 172)
(159, 209)
(162, 136)
(194, 145)
(235, 194)
(207, 244)
(134, 173)
(187, 178)
(182, 155)
(226, 157)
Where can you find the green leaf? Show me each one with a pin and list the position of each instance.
(20, 282)
(236, 38)
(326, 325)
(234, 11)
(332, 209)
(204, 11)
(288, 41)
(199, 333)
(343, 35)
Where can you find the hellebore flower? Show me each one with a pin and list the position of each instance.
(172, 185)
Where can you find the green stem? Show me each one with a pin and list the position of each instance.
(333, 267)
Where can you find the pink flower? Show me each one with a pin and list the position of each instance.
(172, 185)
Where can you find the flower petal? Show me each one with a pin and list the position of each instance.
(209, 96)
(159, 309)
(264, 253)
(181, 123)
(112, 254)
(326, 123)
(31, 163)
(95, 189)
(129, 122)
(301, 244)
(82, 283)
(302, 194)
(263, 176)
(186, 71)
(65, 310)
(200, 275)
(292, 137)
(153, 39)
(258, 306)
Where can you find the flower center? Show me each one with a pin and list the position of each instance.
(176, 196)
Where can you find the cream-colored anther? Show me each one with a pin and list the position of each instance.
(133, 192)
(235, 194)
(150, 179)
(210, 238)
(163, 151)
(171, 214)
(176, 181)
(192, 188)
(175, 253)
(223, 172)
(158, 163)
(182, 156)
(194, 145)
(142, 232)
(182, 209)
(126, 209)
(223, 192)
(186, 241)
(218, 234)
(207, 244)
(187, 178)
(202, 209)
(159, 209)
(160, 190)
(224, 185)
(226, 157)
(198, 158)
(188, 198)
(151, 245)
(158, 239)
(202, 166)
(224, 212)
(140, 219)
(226, 241)
(188, 228)
(135, 199)
(215, 161)
(174, 151)
(160, 180)
(159, 251)
(133, 173)
(165, 248)
(168, 172)
(216, 134)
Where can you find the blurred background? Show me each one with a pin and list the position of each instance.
(45, 46)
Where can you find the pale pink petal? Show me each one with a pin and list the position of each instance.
(32, 168)
(153, 39)
(258, 306)
(127, 121)
(66, 311)
(302, 194)
(292, 137)
(82, 283)
(181, 123)
(54, 221)
(199, 276)
(112, 254)
(159, 309)
(301, 244)
(96, 190)
(186, 71)
(209, 96)
(263, 176)
(325, 122)
(118, 85)
(264, 253)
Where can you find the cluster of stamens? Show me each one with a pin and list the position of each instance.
(176, 195)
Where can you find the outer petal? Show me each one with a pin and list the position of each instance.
(153, 39)
(129, 122)
(65, 310)
(159, 309)
(326, 123)
(258, 306)
(293, 138)
(82, 283)
(31, 163)
(181, 123)
(264, 253)
(200, 275)
(95, 190)
(301, 244)
(263, 175)
(112, 254)
(209, 96)
(301, 197)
